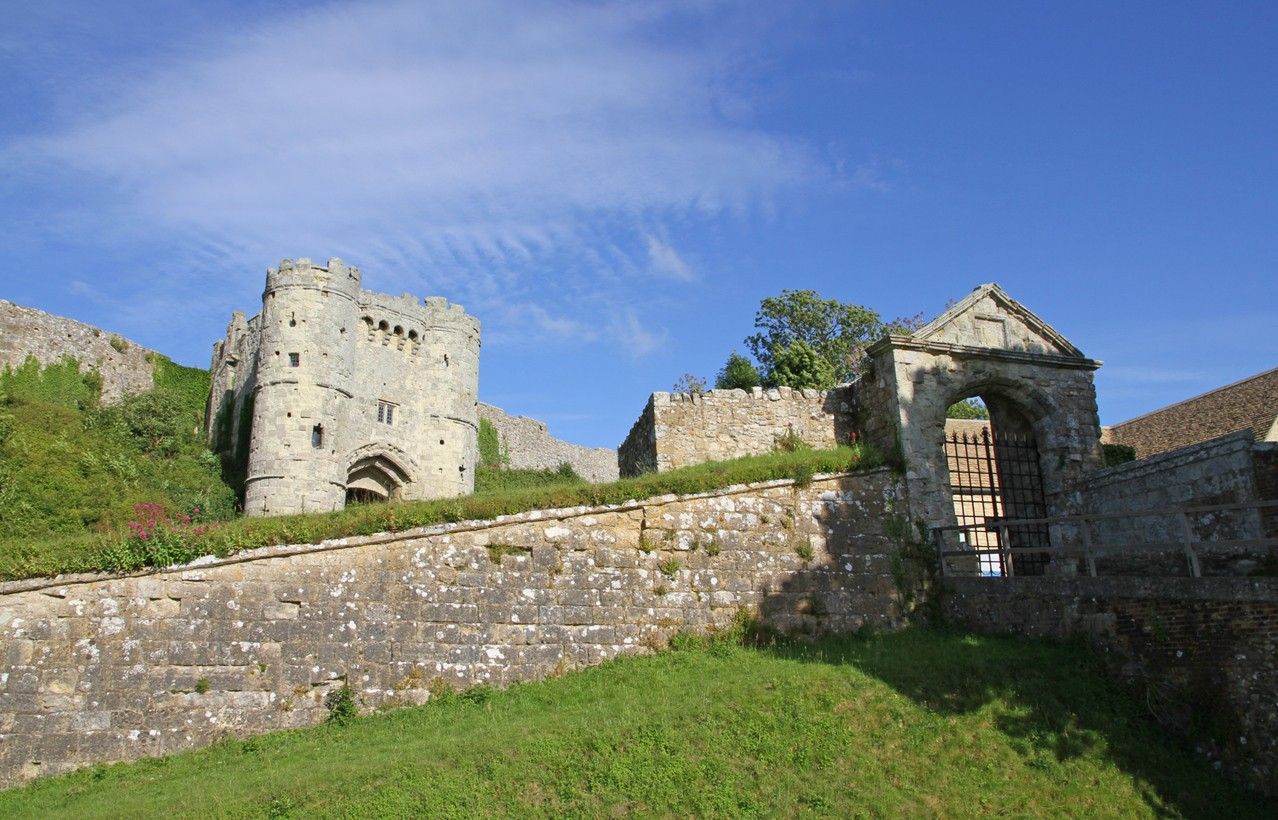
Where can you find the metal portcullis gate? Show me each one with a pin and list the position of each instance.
(996, 478)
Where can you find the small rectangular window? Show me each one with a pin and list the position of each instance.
(294, 359)
(317, 436)
(385, 412)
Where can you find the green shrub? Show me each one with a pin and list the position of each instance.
(669, 567)
(119, 344)
(789, 442)
(341, 706)
(738, 373)
(1115, 454)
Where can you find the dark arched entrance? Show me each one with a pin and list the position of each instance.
(374, 478)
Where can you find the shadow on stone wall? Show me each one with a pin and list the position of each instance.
(859, 572)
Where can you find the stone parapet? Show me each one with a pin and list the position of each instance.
(681, 429)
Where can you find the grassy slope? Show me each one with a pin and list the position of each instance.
(70, 469)
(920, 723)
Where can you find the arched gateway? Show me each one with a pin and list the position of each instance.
(1042, 402)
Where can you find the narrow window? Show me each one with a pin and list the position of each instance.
(294, 359)
(385, 412)
(317, 436)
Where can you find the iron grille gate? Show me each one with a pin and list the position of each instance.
(995, 478)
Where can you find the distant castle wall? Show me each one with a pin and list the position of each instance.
(529, 445)
(124, 365)
(681, 429)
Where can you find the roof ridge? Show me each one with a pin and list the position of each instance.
(1202, 395)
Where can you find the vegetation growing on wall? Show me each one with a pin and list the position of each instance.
(70, 466)
(1115, 454)
(524, 490)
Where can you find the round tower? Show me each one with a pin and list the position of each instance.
(304, 368)
(450, 373)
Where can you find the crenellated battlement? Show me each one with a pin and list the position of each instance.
(336, 276)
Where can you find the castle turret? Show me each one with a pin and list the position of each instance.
(305, 358)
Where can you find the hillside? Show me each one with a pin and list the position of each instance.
(920, 723)
(70, 465)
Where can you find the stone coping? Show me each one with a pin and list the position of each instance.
(1240, 441)
(353, 541)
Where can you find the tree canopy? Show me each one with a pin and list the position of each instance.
(738, 373)
(835, 331)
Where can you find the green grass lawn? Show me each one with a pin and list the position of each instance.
(919, 723)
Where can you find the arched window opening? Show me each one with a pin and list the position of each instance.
(399, 331)
(383, 326)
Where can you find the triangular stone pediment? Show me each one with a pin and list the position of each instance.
(989, 318)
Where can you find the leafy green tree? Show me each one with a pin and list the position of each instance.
(739, 373)
(837, 332)
(798, 365)
(968, 409)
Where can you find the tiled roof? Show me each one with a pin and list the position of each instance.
(1250, 404)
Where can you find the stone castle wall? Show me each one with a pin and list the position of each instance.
(529, 446)
(116, 668)
(1204, 651)
(681, 429)
(27, 332)
(1227, 470)
(346, 390)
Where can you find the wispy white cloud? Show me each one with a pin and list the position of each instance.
(469, 148)
(664, 261)
(633, 337)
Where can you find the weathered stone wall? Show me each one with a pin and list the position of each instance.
(1204, 650)
(1220, 471)
(688, 428)
(100, 668)
(638, 453)
(27, 332)
(529, 445)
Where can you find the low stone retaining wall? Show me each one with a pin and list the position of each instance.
(101, 668)
(1204, 650)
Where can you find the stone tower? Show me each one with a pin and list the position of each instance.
(352, 395)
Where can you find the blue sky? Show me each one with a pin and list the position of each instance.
(612, 187)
